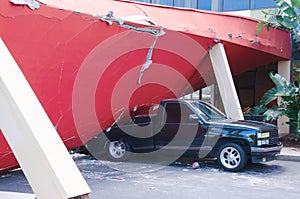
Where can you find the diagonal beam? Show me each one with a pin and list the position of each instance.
(38, 148)
(225, 82)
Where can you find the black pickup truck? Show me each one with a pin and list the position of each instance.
(194, 128)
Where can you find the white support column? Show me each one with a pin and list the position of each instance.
(38, 148)
(225, 82)
(284, 69)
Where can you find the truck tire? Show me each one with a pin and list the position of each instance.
(232, 157)
(117, 150)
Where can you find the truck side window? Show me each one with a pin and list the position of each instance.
(172, 113)
(177, 112)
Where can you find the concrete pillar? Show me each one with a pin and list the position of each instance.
(225, 82)
(284, 69)
(34, 141)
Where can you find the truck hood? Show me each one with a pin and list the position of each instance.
(243, 124)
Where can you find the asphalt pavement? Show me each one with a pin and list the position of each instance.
(179, 180)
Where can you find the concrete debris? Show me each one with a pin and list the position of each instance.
(32, 4)
(110, 19)
(195, 165)
(148, 61)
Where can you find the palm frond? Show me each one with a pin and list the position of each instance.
(279, 80)
(258, 110)
(271, 114)
(298, 121)
(269, 96)
(284, 91)
(296, 69)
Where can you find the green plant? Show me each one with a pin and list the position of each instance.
(285, 16)
(288, 96)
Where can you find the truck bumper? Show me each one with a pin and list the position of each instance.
(264, 154)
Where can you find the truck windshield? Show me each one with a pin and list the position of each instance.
(208, 112)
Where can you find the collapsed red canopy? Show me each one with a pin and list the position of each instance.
(87, 74)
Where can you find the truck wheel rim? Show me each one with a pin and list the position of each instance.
(117, 149)
(230, 157)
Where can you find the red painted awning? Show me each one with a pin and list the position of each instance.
(93, 63)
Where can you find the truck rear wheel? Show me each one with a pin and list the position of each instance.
(232, 157)
(117, 150)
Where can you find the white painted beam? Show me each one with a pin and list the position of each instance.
(38, 148)
(15, 195)
(225, 82)
(284, 69)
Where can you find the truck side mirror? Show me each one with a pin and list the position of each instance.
(193, 117)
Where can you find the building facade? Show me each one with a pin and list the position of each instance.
(216, 5)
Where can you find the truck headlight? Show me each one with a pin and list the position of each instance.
(262, 142)
(263, 135)
(262, 138)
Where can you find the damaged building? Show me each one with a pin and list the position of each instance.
(93, 64)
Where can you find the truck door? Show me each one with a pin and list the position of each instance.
(178, 130)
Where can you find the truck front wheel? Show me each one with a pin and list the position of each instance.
(117, 150)
(232, 157)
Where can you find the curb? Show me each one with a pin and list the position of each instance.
(295, 158)
(289, 154)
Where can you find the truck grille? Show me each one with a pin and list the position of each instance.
(273, 139)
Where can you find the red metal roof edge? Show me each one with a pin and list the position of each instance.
(149, 6)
